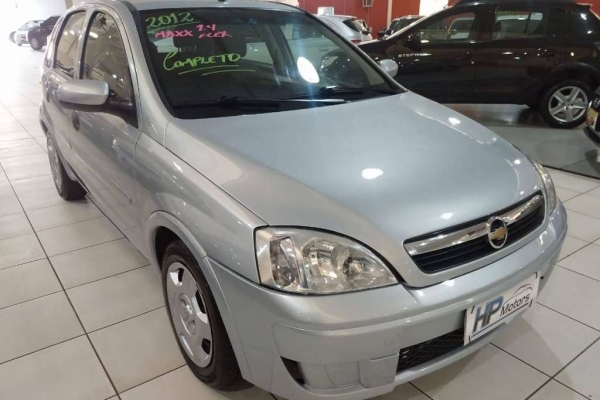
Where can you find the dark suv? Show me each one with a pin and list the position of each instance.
(38, 36)
(540, 53)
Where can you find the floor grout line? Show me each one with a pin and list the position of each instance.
(43, 348)
(106, 277)
(33, 299)
(521, 360)
(420, 391)
(124, 320)
(156, 377)
(565, 315)
(71, 303)
(577, 272)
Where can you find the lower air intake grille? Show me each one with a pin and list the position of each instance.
(421, 353)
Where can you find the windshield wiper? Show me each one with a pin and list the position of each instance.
(328, 92)
(237, 101)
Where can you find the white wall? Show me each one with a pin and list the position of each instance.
(430, 6)
(13, 13)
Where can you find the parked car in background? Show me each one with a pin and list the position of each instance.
(350, 27)
(19, 36)
(321, 233)
(38, 35)
(592, 129)
(539, 53)
(399, 23)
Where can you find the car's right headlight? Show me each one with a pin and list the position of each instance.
(551, 198)
(314, 262)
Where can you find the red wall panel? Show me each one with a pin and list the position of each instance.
(375, 16)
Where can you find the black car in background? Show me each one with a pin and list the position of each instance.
(541, 53)
(399, 23)
(39, 34)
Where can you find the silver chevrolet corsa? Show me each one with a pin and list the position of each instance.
(321, 232)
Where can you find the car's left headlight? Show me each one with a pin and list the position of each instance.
(313, 262)
(551, 199)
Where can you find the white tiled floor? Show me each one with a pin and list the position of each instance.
(82, 314)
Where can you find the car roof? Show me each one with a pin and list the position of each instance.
(142, 5)
(526, 2)
(336, 16)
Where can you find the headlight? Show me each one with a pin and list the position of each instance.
(313, 262)
(551, 199)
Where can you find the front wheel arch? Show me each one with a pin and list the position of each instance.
(161, 226)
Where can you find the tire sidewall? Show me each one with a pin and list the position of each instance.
(543, 105)
(35, 40)
(177, 252)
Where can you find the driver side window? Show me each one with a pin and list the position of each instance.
(104, 56)
(449, 28)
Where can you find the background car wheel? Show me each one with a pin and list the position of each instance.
(196, 321)
(67, 188)
(35, 44)
(565, 104)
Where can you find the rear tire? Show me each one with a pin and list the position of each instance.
(35, 44)
(67, 188)
(564, 105)
(196, 321)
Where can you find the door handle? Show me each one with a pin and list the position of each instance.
(547, 53)
(464, 57)
(75, 120)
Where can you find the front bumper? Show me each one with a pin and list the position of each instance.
(347, 346)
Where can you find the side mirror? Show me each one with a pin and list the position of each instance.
(389, 66)
(414, 42)
(94, 96)
(83, 92)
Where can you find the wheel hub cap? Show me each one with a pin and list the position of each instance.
(568, 104)
(54, 164)
(189, 314)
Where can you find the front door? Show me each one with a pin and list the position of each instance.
(523, 45)
(106, 140)
(440, 67)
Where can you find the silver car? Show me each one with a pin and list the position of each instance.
(320, 232)
(349, 27)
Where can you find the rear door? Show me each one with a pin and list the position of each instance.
(106, 140)
(524, 43)
(61, 67)
(442, 69)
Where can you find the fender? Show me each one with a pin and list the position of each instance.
(572, 69)
(161, 219)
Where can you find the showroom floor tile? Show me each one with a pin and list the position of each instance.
(82, 314)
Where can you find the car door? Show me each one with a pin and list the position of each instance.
(60, 68)
(440, 66)
(106, 138)
(523, 44)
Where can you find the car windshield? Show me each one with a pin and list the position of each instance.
(216, 62)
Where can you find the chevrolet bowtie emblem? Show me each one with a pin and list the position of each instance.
(497, 232)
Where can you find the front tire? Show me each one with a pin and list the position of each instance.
(196, 321)
(35, 44)
(565, 104)
(67, 188)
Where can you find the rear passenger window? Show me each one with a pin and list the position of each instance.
(448, 28)
(66, 50)
(104, 56)
(586, 24)
(517, 24)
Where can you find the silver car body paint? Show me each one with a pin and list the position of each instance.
(212, 182)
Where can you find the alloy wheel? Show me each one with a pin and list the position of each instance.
(54, 164)
(568, 104)
(188, 312)
(34, 43)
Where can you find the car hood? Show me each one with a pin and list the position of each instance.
(380, 171)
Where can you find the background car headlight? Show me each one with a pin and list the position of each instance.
(551, 200)
(313, 262)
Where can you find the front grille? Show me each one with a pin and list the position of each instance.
(463, 251)
(421, 353)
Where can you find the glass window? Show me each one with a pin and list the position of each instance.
(355, 25)
(68, 40)
(50, 21)
(448, 28)
(203, 55)
(559, 22)
(586, 23)
(517, 24)
(104, 56)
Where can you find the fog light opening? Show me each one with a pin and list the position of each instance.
(294, 370)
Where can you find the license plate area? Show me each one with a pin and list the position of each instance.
(489, 315)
